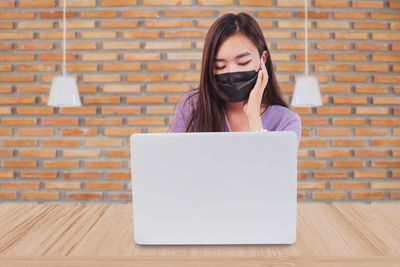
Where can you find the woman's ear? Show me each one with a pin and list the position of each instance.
(264, 56)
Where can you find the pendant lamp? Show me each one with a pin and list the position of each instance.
(306, 91)
(64, 92)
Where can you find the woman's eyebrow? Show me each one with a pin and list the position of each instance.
(237, 57)
(242, 55)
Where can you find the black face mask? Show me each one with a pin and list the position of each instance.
(237, 85)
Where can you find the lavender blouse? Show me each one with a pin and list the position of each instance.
(274, 118)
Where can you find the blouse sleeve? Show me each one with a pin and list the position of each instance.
(294, 124)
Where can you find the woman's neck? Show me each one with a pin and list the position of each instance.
(235, 107)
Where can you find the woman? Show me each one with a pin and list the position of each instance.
(237, 91)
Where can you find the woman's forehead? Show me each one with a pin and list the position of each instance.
(234, 46)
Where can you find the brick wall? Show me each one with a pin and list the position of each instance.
(133, 59)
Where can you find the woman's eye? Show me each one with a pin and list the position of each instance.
(244, 63)
(219, 68)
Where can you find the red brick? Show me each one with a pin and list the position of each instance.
(188, 13)
(331, 153)
(60, 121)
(103, 186)
(84, 196)
(371, 111)
(348, 164)
(291, 3)
(82, 175)
(5, 132)
(333, 132)
(140, 34)
(102, 164)
(19, 164)
(121, 67)
(79, 132)
(120, 110)
(102, 100)
(14, 122)
(370, 153)
(7, 4)
(20, 185)
(6, 153)
(17, 78)
(78, 110)
(313, 143)
(16, 35)
(7, 174)
(385, 164)
(35, 110)
(311, 186)
(121, 45)
(328, 195)
(99, 14)
(38, 174)
(349, 15)
(370, 47)
(37, 153)
(385, 15)
(311, 164)
(103, 122)
(118, 153)
(330, 174)
(370, 132)
(369, 174)
(120, 196)
(340, 185)
(118, 175)
(140, 13)
(8, 195)
(79, 3)
(348, 142)
(19, 142)
(61, 164)
(119, 2)
(370, 89)
(168, 23)
(368, 195)
(103, 142)
(17, 15)
(60, 143)
(385, 122)
(167, 3)
(61, 186)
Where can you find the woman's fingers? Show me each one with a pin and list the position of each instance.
(265, 74)
(258, 84)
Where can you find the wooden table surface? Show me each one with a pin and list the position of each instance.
(65, 234)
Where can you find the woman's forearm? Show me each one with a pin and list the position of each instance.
(255, 123)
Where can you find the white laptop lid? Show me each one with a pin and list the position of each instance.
(214, 187)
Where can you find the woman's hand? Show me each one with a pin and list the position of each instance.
(252, 105)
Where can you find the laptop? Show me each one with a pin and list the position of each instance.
(214, 188)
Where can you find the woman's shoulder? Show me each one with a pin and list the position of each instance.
(189, 97)
(187, 103)
(182, 111)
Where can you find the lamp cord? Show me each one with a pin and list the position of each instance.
(65, 26)
(305, 37)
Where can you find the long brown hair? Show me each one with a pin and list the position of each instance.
(208, 114)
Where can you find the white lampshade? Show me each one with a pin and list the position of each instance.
(64, 92)
(306, 92)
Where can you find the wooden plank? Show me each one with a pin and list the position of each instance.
(183, 261)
